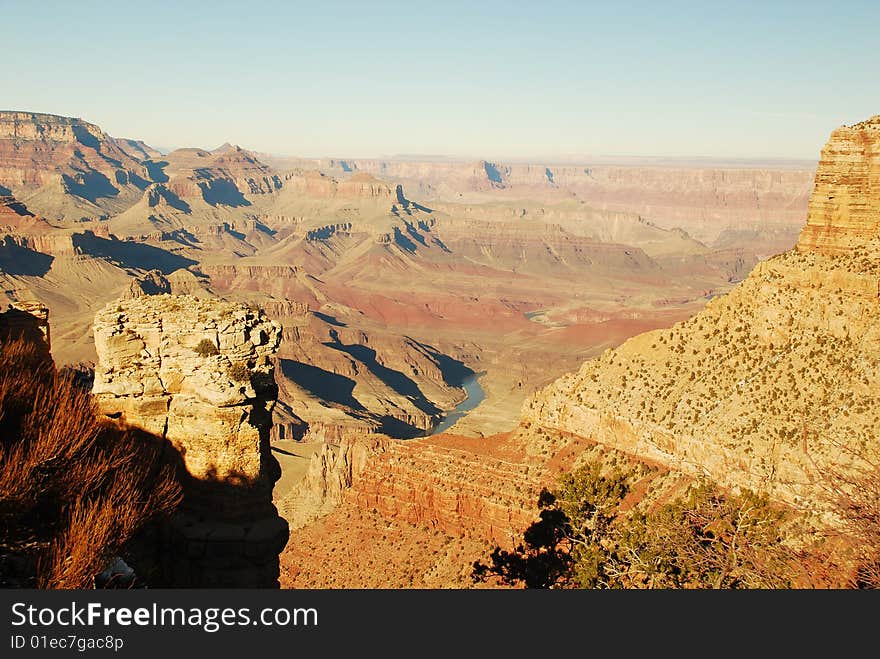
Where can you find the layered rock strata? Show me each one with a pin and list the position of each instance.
(482, 488)
(844, 209)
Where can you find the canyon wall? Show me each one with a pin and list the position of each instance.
(67, 168)
(704, 200)
(480, 488)
(845, 203)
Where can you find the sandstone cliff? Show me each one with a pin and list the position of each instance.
(702, 199)
(65, 168)
(845, 203)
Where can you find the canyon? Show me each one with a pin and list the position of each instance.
(394, 286)
(772, 386)
(388, 304)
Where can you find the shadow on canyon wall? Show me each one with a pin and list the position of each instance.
(223, 192)
(129, 253)
(156, 170)
(338, 390)
(226, 533)
(174, 201)
(395, 380)
(330, 387)
(18, 260)
(90, 186)
(330, 320)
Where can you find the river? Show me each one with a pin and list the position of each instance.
(475, 396)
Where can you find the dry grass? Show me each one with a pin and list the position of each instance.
(72, 492)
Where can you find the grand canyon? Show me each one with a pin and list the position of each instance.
(369, 369)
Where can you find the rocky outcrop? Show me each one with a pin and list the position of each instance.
(250, 175)
(284, 308)
(844, 210)
(766, 388)
(330, 474)
(152, 283)
(454, 490)
(179, 282)
(360, 185)
(365, 185)
(480, 488)
(15, 216)
(52, 244)
(225, 275)
(218, 178)
(199, 375)
(703, 200)
(197, 372)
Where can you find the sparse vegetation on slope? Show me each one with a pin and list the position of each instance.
(760, 387)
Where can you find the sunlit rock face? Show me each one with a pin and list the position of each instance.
(775, 383)
(195, 371)
(844, 210)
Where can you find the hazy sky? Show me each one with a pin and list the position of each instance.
(490, 79)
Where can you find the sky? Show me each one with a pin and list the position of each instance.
(494, 79)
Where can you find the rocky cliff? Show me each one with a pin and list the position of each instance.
(845, 204)
(66, 168)
(705, 200)
(69, 170)
(15, 217)
(453, 485)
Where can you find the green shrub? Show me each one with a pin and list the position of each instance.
(239, 372)
(206, 348)
(706, 539)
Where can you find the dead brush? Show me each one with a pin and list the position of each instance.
(72, 492)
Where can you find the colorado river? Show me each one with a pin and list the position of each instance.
(475, 396)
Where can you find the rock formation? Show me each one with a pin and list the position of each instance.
(844, 206)
(198, 374)
(397, 507)
(768, 387)
(65, 168)
(15, 217)
(705, 201)
(378, 293)
(453, 485)
(152, 283)
(166, 361)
